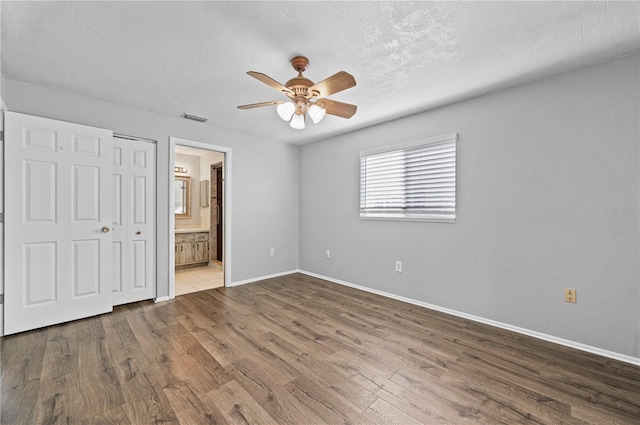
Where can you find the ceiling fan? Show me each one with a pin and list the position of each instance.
(307, 97)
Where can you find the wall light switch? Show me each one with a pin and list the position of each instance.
(272, 251)
(327, 254)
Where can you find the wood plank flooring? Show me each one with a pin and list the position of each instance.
(299, 350)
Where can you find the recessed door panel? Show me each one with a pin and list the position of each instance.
(86, 145)
(139, 159)
(118, 205)
(40, 194)
(139, 264)
(86, 191)
(117, 156)
(117, 267)
(40, 138)
(139, 201)
(40, 276)
(86, 268)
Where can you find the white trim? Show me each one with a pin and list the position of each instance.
(451, 137)
(161, 299)
(226, 254)
(3, 108)
(255, 279)
(583, 347)
(434, 218)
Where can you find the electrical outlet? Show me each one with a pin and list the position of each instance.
(569, 295)
(327, 253)
(399, 266)
(272, 251)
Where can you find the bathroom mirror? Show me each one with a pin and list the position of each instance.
(182, 189)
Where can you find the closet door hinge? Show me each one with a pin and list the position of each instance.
(1, 298)
(1, 217)
(1, 135)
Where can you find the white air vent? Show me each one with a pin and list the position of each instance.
(194, 117)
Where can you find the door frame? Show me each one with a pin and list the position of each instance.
(226, 253)
(2, 109)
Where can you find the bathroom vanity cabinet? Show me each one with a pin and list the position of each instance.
(192, 248)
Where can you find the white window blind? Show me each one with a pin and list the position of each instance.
(416, 181)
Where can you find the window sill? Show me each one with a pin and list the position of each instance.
(402, 217)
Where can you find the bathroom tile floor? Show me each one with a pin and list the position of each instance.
(194, 279)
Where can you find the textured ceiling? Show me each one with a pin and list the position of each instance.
(175, 57)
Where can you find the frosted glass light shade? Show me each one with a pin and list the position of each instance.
(286, 110)
(297, 121)
(317, 113)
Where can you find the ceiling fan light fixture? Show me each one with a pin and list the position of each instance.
(286, 110)
(297, 121)
(301, 93)
(317, 113)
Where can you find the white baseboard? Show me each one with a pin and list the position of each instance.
(161, 299)
(255, 279)
(539, 335)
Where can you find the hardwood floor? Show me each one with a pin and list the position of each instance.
(300, 350)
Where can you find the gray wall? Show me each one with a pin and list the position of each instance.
(265, 176)
(547, 198)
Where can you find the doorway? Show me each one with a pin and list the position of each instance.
(217, 213)
(199, 257)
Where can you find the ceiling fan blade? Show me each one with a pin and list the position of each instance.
(339, 109)
(257, 105)
(334, 84)
(270, 82)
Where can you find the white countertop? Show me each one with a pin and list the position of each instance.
(194, 230)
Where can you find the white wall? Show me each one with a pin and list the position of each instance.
(547, 198)
(265, 176)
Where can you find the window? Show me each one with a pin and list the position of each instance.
(416, 181)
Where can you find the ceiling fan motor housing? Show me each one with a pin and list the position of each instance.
(299, 85)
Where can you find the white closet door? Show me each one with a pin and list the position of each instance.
(134, 220)
(58, 218)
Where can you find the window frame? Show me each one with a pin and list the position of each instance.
(440, 216)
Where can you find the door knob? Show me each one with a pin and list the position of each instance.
(105, 229)
(138, 232)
